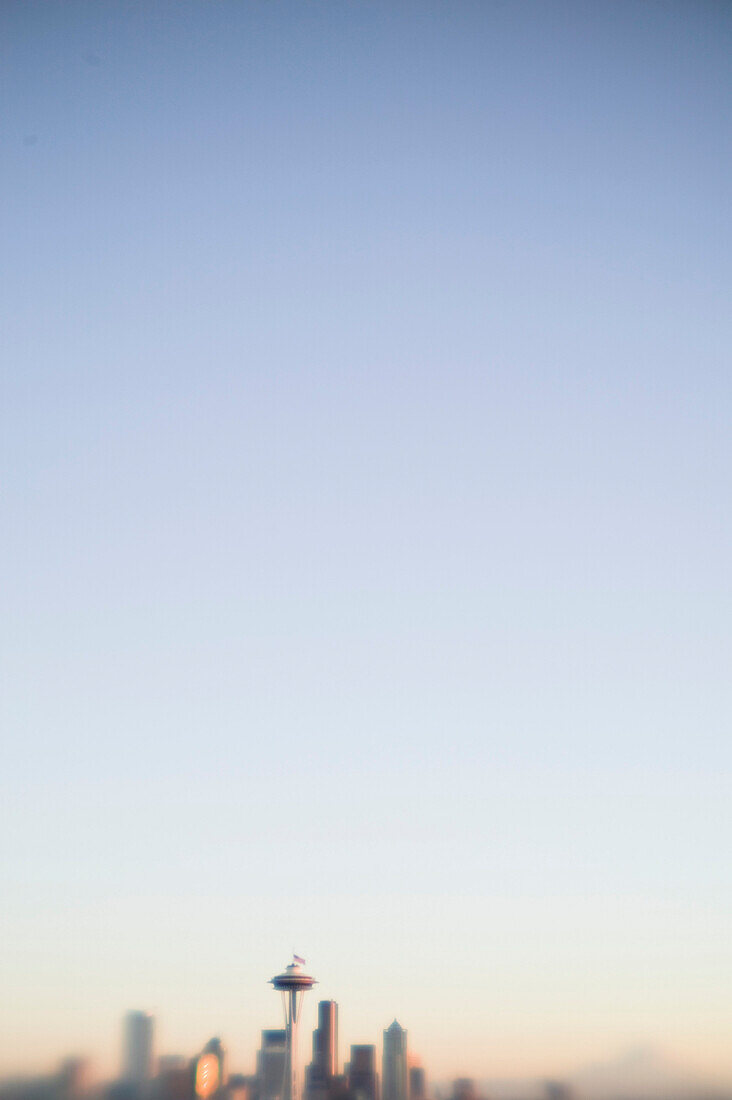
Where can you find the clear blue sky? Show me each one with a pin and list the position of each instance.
(366, 509)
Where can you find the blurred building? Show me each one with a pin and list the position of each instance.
(167, 1063)
(363, 1080)
(71, 1082)
(271, 1064)
(210, 1071)
(417, 1083)
(464, 1089)
(74, 1079)
(558, 1090)
(241, 1087)
(122, 1090)
(175, 1080)
(394, 1063)
(325, 1039)
(137, 1049)
(322, 1073)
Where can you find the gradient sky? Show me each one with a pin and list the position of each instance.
(366, 509)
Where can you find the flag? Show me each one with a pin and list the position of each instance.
(298, 960)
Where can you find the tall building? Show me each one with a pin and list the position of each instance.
(325, 1040)
(271, 1058)
(216, 1048)
(394, 1063)
(210, 1071)
(362, 1078)
(322, 1081)
(137, 1048)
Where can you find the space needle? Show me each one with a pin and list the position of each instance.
(293, 982)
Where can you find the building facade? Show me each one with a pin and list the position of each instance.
(363, 1081)
(394, 1079)
(271, 1064)
(137, 1049)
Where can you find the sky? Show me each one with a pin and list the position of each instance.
(366, 532)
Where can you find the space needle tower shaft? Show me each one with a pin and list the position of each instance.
(293, 982)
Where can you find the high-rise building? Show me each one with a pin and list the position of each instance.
(271, 1059)
(137, 1050)
(210, 1071)
(322, 1082)
(325, 1040)
(362, 1078)
(394, 1063)
(216, 1048)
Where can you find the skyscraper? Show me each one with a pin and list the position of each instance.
(210, 1070)
(137, 1048)
(271, 1060)
(216, 1047)
(362, 1079)
(394, 1063)
(322, 1072)
(325, 1040)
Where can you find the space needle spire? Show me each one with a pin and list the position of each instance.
(293, 982)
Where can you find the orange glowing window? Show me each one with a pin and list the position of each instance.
(207, 1076)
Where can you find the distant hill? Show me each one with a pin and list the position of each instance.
(644, 1073)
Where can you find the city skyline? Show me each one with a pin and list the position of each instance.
(638, 1072)
(146, 1073)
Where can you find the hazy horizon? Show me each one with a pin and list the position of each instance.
(366, 465)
